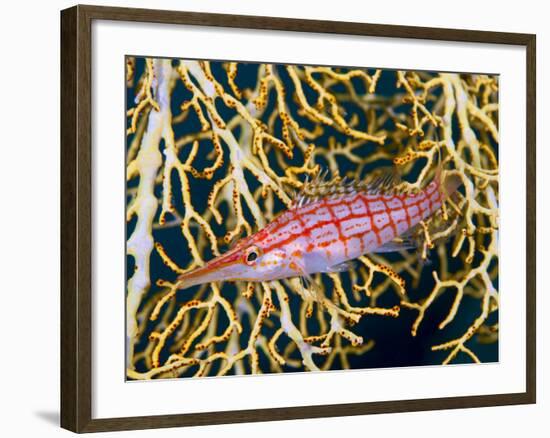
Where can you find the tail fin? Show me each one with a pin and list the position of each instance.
(439, 168)
(451, 183)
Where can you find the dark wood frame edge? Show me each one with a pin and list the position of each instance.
(76, 226)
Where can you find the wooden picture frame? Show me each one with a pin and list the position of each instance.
(76, 218)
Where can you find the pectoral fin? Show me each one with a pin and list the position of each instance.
(307, 280)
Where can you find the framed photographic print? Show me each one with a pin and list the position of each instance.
(267, 218)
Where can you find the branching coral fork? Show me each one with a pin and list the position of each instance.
(418, 103)
(459, 286)
(307, 351)
(316, 114)
(215, 300)
(144, 206)
(452, 85)
(251, 348)
(144, 96)
(238, 158)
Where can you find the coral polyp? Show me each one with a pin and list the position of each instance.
(217, 150)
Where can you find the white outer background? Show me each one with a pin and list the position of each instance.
(29, 223)
(112, 397)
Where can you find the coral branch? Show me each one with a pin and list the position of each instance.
(244, 139)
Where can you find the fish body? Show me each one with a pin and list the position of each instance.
(323, 233)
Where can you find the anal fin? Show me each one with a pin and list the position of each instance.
(395, 245)
(342, 267)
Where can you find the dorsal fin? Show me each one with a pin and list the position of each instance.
(384, 181)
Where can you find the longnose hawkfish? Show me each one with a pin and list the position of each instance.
(329, 224)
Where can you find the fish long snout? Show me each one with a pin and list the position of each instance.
(224, 267)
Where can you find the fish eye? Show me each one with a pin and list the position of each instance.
(252, 255)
